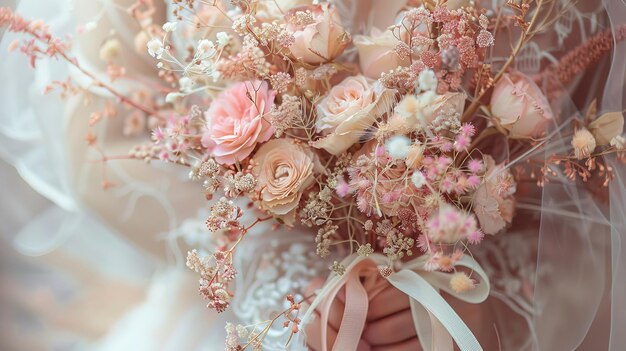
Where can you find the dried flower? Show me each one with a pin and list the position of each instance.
(403, 50)
(338, 268)
(484, 39)
(224, 215)
(397, 246)
(451, 225)
(323, 239)
(209, 168)
(584, 143)
(365, 250)
(280, 81)
(461, 283)
(418, 179)
(238, 183)
(198, 264)
(398, 147)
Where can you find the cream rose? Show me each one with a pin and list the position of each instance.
(319, 36)
(348, 110)
(520, 107)
(377, 53)
(284, 171)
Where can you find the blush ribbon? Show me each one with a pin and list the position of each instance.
(436, 323)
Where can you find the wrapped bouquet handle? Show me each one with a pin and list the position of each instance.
(436, 322)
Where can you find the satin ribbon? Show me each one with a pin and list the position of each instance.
(436, 323)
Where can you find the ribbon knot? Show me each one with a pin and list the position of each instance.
(436, 323)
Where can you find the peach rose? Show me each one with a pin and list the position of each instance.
(285, 170)
(493, 201)
(348, 110)
(377, 53)
(235, 124)
(319, 38)
(520, 107)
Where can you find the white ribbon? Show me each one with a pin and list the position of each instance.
(436, 323)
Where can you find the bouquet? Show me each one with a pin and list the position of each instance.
(386, 158)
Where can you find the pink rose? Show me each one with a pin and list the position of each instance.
(493, 201)
(284, 170)
(235, 124)
(348, 110)
(319, 36)
(520, 107)
(377, 53)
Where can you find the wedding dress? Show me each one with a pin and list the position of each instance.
(92, 269)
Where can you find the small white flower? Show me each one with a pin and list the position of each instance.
(222, 39)
(185, 84)
(155, 48)
(205, 47)
(427, 80)
(398, 146)
(618, 142)
(170, 26)
(418, 179)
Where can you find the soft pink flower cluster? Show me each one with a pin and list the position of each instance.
(380, 140)
(373, 137)
(391, 133)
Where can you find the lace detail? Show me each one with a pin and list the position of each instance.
(283, 267)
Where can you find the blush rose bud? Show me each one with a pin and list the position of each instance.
(318, 33)
(520, 107)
